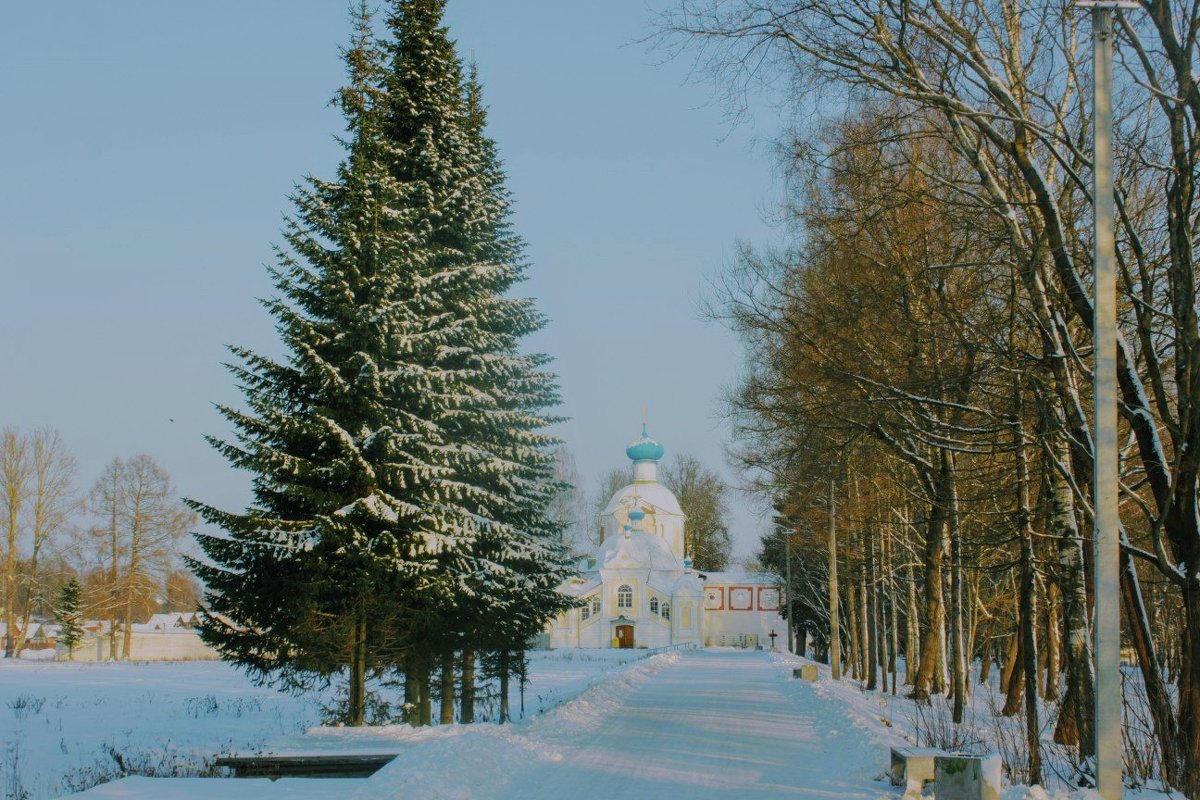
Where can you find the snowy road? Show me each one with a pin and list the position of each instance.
(695, 725)
(715, 724)
(707, 724)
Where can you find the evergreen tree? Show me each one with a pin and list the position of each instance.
(401, 468)
(68, 615)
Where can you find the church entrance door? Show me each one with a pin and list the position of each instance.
(625, 636)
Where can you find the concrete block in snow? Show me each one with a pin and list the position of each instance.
(913, 764)
(962, 777)
(808, 672)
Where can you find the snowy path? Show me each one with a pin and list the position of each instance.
(695, 725)
(708, 724)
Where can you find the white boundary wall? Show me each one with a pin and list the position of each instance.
(156, 646)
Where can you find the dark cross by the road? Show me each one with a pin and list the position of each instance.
(772, 635)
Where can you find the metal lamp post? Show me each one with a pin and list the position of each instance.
(1107, 618)
(786, 534)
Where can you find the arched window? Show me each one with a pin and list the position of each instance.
(666, 610)
(624, 596)
(653, 605)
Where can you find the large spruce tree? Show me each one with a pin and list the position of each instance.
(400, 460)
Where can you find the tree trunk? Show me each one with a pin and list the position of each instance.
(1015, 689)
(852, 614)
(985, 650)
(893, 614)
(412, 693)
(1158, 695)
(1028, 604)
(127, 637)
(467, 706)
(15, 477)
(929, 674)
(447, 689)
(1076, 711)
(958, 669)
(1012, 660)
(426, 693)
(1053, 646)
(504, 675)
(912, 640)
(835, 627)
(358, 671)
(113, 577)
(871, 617)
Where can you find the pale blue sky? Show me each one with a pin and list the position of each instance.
(148, 149)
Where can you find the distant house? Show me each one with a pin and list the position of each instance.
(169, 621)
(42, 636)
(170, 636)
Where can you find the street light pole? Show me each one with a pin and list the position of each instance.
(791, 618)
(835, 628)
(1106, 564)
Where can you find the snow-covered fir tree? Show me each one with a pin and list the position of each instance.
(68, 614)
(401, 463)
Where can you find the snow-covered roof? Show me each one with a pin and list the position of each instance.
(44, 629)
(167, 620)
(578, 587)
(637, 550)
(658, 497)
(685, 584)
(741, 576)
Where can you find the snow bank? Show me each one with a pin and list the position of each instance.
(452, 762)
(65, 727)
(891, 720)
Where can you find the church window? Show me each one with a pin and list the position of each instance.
(596, 606)
(586, 611)
(653, 605)
(666, 610)
(624, 596)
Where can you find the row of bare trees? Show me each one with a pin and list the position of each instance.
(121, 539)
(928, 337)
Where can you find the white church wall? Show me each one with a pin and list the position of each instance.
(742, 614)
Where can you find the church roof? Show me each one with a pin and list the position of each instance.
(741, 576)
(638, 550)
(644, 448)
(578, 587)
(645, 488)
(657, 497)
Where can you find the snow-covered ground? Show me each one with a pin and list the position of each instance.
(67, 727)
(694, 725)
(889, 720)
(710, 724)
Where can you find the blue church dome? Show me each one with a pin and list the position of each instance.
(644, 449)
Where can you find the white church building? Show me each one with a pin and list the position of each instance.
(639, 588)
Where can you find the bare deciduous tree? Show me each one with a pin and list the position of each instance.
(16, 476)
(701, 494)
(140, 523)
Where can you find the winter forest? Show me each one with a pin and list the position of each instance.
(916, 399)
